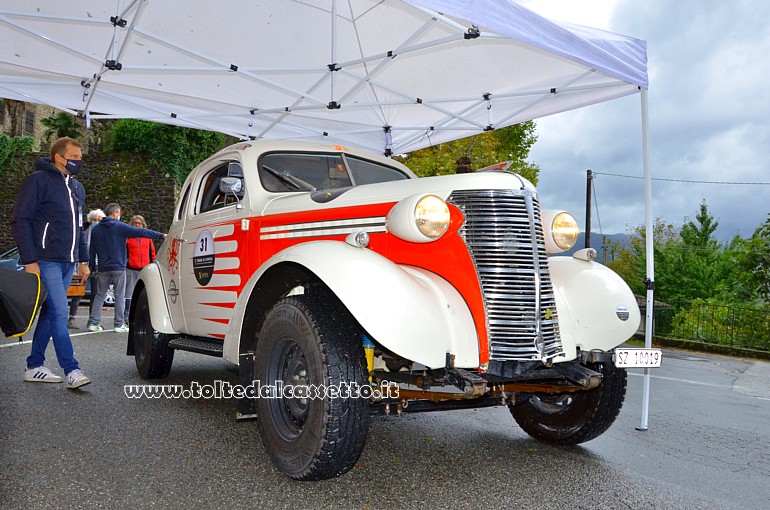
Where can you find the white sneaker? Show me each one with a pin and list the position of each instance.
(121, 329)
(95, 327)
(76, 379)
(41, 374)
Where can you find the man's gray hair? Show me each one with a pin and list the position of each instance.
(111, 208)
(92, 215)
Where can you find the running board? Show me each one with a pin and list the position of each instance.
(199, 345)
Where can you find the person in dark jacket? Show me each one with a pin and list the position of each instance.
(47, 224)
(94, 217)
(108, 261)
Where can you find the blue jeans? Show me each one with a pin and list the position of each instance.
(52, 323)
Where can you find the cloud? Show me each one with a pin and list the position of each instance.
(708, 106)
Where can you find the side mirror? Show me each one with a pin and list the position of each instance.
(231, 186)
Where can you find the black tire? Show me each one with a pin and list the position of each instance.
(311, 340)
(151, 351)
(573, 418)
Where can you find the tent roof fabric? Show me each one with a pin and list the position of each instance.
(387, 75)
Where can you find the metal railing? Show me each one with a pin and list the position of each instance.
(739, 329)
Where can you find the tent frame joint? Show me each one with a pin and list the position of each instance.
(118, 22)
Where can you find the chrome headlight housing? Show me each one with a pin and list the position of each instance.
(560, 229)
(420, 218)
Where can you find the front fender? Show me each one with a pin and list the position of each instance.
(410, 311)
(591, 301)
(156, 297)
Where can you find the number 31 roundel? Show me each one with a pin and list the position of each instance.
(203, 257)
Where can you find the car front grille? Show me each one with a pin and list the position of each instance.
(504, 235)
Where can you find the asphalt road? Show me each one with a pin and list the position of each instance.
(707, 446)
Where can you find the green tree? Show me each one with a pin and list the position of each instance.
(61, 124)
(698, 261)
(689, 262)
(176, 150)
(507, 144)
(630, 261)
(752, 258)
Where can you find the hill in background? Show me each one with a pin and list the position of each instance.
(602, 243)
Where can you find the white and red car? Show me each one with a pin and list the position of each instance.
(319, 266)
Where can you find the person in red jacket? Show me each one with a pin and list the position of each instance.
(141, 252)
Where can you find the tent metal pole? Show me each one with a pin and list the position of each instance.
(333, 60)
(650, 280)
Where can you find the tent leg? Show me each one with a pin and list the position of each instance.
(650, 280)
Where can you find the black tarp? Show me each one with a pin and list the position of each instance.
(21, 294)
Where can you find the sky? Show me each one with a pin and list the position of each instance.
(709, 118)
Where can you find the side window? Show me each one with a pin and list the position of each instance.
(302, 172)
(212, 195)
(183, 203)
(367, 172)
(310, 172)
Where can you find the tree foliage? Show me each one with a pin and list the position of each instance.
(61, 124)
(752, 259)
(12, 147)
(698, 262)
(507, 144)
(630, 262)
(176, 150)
(691, 264)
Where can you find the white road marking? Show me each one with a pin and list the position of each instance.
(15, 344)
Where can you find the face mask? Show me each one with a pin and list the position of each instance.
(74, 165)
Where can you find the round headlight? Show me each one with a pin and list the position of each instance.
(420, 218)
(564, 230)
(561, 231)
(431, 215)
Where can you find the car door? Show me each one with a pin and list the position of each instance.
(169, 258)
(213, 256)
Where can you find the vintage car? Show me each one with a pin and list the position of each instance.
(330, 270)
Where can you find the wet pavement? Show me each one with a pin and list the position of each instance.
(707, 446)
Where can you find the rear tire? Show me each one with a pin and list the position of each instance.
(311, 340)
(573, 418)
(151, 351)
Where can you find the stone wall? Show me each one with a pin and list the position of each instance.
(125, 179)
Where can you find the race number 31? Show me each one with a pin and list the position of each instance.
(203, 257)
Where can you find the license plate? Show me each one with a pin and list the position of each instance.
(631, 358)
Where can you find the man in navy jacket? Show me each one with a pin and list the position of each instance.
(47, 224)
(108, 262)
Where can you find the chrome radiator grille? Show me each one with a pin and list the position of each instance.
(504, 236)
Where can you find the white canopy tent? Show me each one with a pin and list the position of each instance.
(388, 75)
(347, 72)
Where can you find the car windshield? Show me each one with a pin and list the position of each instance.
(281, 172)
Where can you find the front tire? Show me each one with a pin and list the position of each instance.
(304, 341)
(574, 418)
(151, 351)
